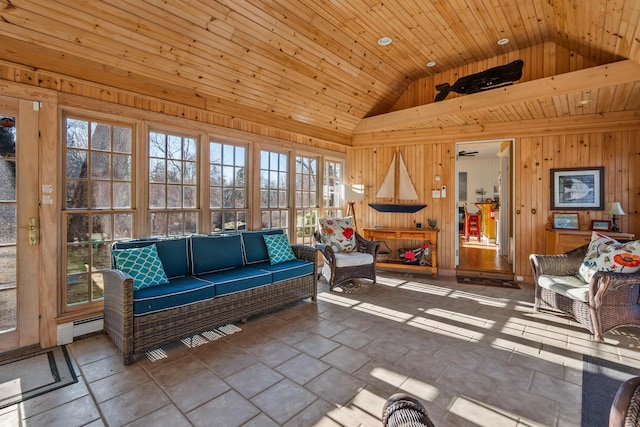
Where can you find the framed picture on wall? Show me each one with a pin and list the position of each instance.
(600, 225)
(577, 188)
(566, 221)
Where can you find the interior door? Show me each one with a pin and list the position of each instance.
(19, 243)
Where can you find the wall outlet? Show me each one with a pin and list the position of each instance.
(519, 278)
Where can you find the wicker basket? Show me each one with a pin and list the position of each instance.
(384, 253)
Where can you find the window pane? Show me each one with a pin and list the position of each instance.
(157, 196)
(121, 167)
(101, 191)
(100, 137)
(123, 226)
(122, 139)
(121, 195)
(157, 145)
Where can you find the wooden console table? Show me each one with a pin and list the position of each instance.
(559, 241)
(422, 234)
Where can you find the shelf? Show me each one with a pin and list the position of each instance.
(424, 234)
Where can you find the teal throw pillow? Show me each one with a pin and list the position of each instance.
(278, 248)
(143, 264)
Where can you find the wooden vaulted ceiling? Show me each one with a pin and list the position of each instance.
(315, 67)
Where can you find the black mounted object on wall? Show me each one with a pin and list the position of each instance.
(488, 79)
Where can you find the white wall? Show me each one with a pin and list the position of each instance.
(481, 173)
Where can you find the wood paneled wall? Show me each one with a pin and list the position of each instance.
(617, 150)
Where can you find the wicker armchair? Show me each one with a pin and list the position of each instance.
(341, 267)
(613, 298)
(625, 410)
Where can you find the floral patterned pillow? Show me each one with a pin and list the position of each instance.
(338, 233)
(607, 254)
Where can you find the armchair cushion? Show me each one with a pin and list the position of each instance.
(338, 233)
(353, 259)
(607, 254)
(570, 286)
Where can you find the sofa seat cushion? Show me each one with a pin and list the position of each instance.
(570, 286)
(287, 270)
(237, 279)
(352, 259)
(176, 293)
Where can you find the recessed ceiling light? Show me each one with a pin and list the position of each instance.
(502, 42)
(384, 41)
(585, 102)
(431, 64)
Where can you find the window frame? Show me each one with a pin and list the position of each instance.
(94, 271)
(174, 212)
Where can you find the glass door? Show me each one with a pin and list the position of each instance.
(19, 252)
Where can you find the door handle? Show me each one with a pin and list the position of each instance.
(33, 231)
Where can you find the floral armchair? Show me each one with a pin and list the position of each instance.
(597, 284)
(346, 254)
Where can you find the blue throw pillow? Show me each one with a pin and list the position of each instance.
(279, 248)
(143, 264)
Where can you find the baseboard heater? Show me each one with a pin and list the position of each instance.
(87, 326)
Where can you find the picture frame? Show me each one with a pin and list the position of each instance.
(600, 225)
(577, 188)
(566, 221)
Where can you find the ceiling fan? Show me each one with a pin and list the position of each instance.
(464, 153)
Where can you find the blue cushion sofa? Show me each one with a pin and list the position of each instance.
(210, 281)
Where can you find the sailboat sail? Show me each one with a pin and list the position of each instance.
(387, 189)
(406, 190)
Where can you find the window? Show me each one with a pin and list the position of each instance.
(173, 184)
(306, 199)
(227, 186)
(332, 189)
(98, 173)
(274, 176)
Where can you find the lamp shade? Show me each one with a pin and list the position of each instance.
(353, 191)
(614, 208)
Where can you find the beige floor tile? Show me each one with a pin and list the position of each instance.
(227, 410)
(476, 356)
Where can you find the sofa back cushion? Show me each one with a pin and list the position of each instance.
(172, 253)
(254, 247)
(215, 253)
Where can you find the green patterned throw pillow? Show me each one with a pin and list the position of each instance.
(278, 248)
(143, 264)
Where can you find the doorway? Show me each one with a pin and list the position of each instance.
(484, 242)
(19, 246)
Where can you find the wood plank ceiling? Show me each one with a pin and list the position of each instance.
(306, 66)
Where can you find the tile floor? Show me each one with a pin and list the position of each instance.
(476, 356)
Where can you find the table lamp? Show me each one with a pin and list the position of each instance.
(353, 192)
(614, 209)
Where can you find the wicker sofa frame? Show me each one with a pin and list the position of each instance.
(136, 334)
(337, 275)
(614, 298)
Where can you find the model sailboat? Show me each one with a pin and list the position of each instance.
(403, 188)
